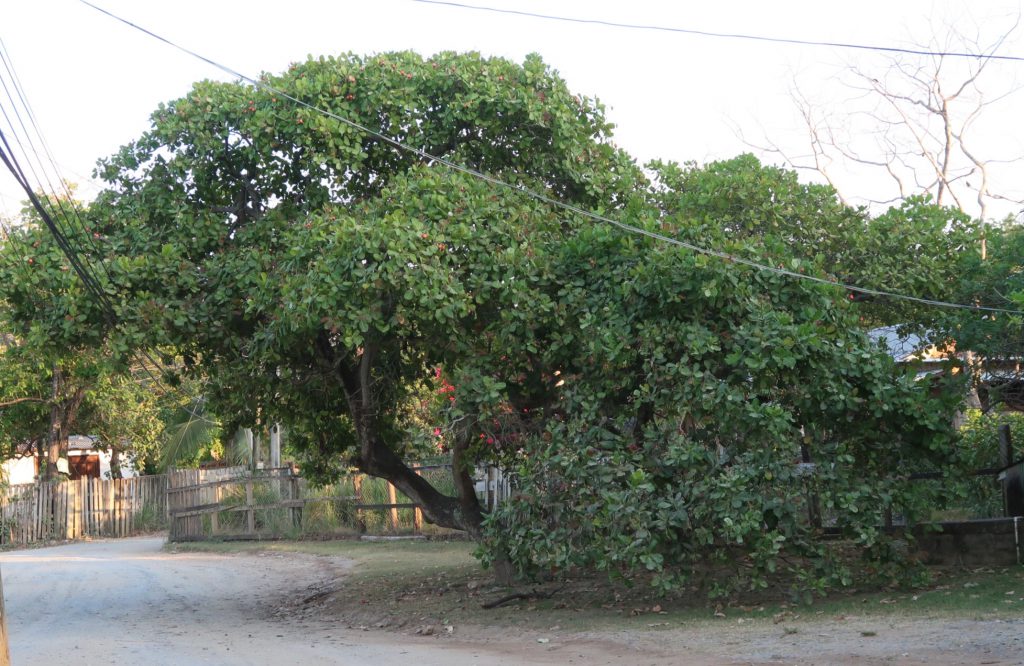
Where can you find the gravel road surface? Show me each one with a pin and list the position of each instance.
(127, 601)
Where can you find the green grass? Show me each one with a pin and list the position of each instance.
(372, 558)
(980, 593)
(423, 582)
(439, 582)
(150, 518)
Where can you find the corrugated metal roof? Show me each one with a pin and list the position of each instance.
(900, 347)
(81, 442)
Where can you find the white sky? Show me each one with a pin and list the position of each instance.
(92, 82)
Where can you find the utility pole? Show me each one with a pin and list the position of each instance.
(250, 442)
(275, 445)
(5, 651)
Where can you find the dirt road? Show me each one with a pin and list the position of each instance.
(128, 602)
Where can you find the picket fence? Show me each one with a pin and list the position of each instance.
(46, 511)
(220, 503)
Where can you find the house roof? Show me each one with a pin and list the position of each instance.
(81, 442)
(901, 348)
(75, 443)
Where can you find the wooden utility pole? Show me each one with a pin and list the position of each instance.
(250, 442)
(5, 651)
(275, 445)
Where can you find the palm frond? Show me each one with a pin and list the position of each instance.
(191, 430)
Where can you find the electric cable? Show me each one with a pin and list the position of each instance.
(92, 285)
(10, 161)
(549, 200)
(725, 35)
(75, 215)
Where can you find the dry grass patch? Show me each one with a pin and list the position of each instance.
(431, 586)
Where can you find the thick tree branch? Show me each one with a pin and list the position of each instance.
(15, 401)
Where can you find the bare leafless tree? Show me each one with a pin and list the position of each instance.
(908, 125)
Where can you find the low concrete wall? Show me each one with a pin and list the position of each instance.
(992, 542)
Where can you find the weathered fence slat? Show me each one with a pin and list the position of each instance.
(238, 503)
(45, 511)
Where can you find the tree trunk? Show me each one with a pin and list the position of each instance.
(377, 459)
(63, 412)
(55, 439)
(115, 463)
(504, 573)
(380, 461)
(462, 469)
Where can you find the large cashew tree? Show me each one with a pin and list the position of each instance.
(320, 277)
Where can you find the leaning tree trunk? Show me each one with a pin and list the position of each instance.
(504, 573)
(461, 513)
(377, 459)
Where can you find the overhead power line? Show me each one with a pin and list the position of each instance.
(725, 35)
(59, 221)
(31, 154)
(88, 280)
(74, 218)
(547, 199)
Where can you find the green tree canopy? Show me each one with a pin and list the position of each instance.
(322, 278)
(315, 271)
(58, 376)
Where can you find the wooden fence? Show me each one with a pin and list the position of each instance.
(233, 503)
(197, 498)
(45, 511)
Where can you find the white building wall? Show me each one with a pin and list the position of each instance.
(22, 470)
(19, 470)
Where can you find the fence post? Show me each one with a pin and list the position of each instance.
(813, 503)
(108, 496)
(1005, 446)
(293, 487)
(250, 441)
(37, 520)
(275, 445)
(489, 491)
(499, 488)
(173, 502)
(76, 509)
(251, 509)
(417, 513)
(393, 500)
(357, 491)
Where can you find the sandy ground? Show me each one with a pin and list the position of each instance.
(127, 602)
